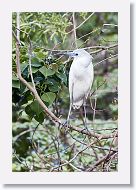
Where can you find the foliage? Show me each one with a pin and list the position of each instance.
(39, 145)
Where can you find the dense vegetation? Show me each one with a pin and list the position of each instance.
(39, 144)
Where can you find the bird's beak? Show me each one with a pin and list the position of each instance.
(70, 54)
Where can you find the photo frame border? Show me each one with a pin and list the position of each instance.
(122, 176)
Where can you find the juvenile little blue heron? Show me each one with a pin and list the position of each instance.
(80, 79)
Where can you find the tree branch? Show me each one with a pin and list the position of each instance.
(100, 48)
(48, 112)
(74, 157)
(103, 159)
(82, 23)
(30, 65)
(110, 25)
(74, 30)
(18, 26)
(112, 56)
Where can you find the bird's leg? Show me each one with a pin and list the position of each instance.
(69, 112)
(84, 119)
(84, 106)
(70, 107)
(67, 121)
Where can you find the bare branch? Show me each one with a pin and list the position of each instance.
(85, 20)
(88, 33)
(49, 113)
(74, 157)
(103, 159)
(110, 25)
(30, 65)
(74, 30)
(100, 48)
(112, 56)
(18, 26)
(82, 22)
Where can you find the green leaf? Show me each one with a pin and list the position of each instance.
(28, 96)
(46, 71)
(23, 66)
(14, 78)
(34, 69)
(50, 81)
(114, 108)
(28, 111)
(35, 107)
(54, 88)
(15, 83)
(38, 79)
(40, 117)
(40, 55)
(64, 93)
(35, 62)
(48, 97)
(24, 69)
(23, 88)
(63, 77)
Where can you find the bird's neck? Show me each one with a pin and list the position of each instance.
(82, 61)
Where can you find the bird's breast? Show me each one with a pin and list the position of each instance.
(80, 72)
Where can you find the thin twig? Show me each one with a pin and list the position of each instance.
(101, 48)
(112, 56)
(67, 50)
(103, 159)
(18, 26)
(88, 33)
(30, 66)
(29, 51)
(98, 87)
(74, 30)
(82, 23)
(74, 157)
(110, 25)
(73, 166)
(94, 110)
(21, 162)
(22, 133)
(85, 20)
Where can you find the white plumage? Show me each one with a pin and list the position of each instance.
(80, 80)
(80, 77)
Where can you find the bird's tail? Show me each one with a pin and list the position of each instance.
(77, 105)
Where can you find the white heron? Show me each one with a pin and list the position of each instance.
(80, 79)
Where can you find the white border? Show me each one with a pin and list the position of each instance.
(123, 174)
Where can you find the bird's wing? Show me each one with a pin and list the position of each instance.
(80, 82)
(71, 86)
(77, 90)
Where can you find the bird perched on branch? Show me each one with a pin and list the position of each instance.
(80, 79)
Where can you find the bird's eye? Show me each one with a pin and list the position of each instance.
(76, 54)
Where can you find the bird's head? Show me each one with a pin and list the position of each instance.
(78, 53)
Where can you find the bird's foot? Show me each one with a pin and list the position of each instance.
(85, 129)
(65, 126)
